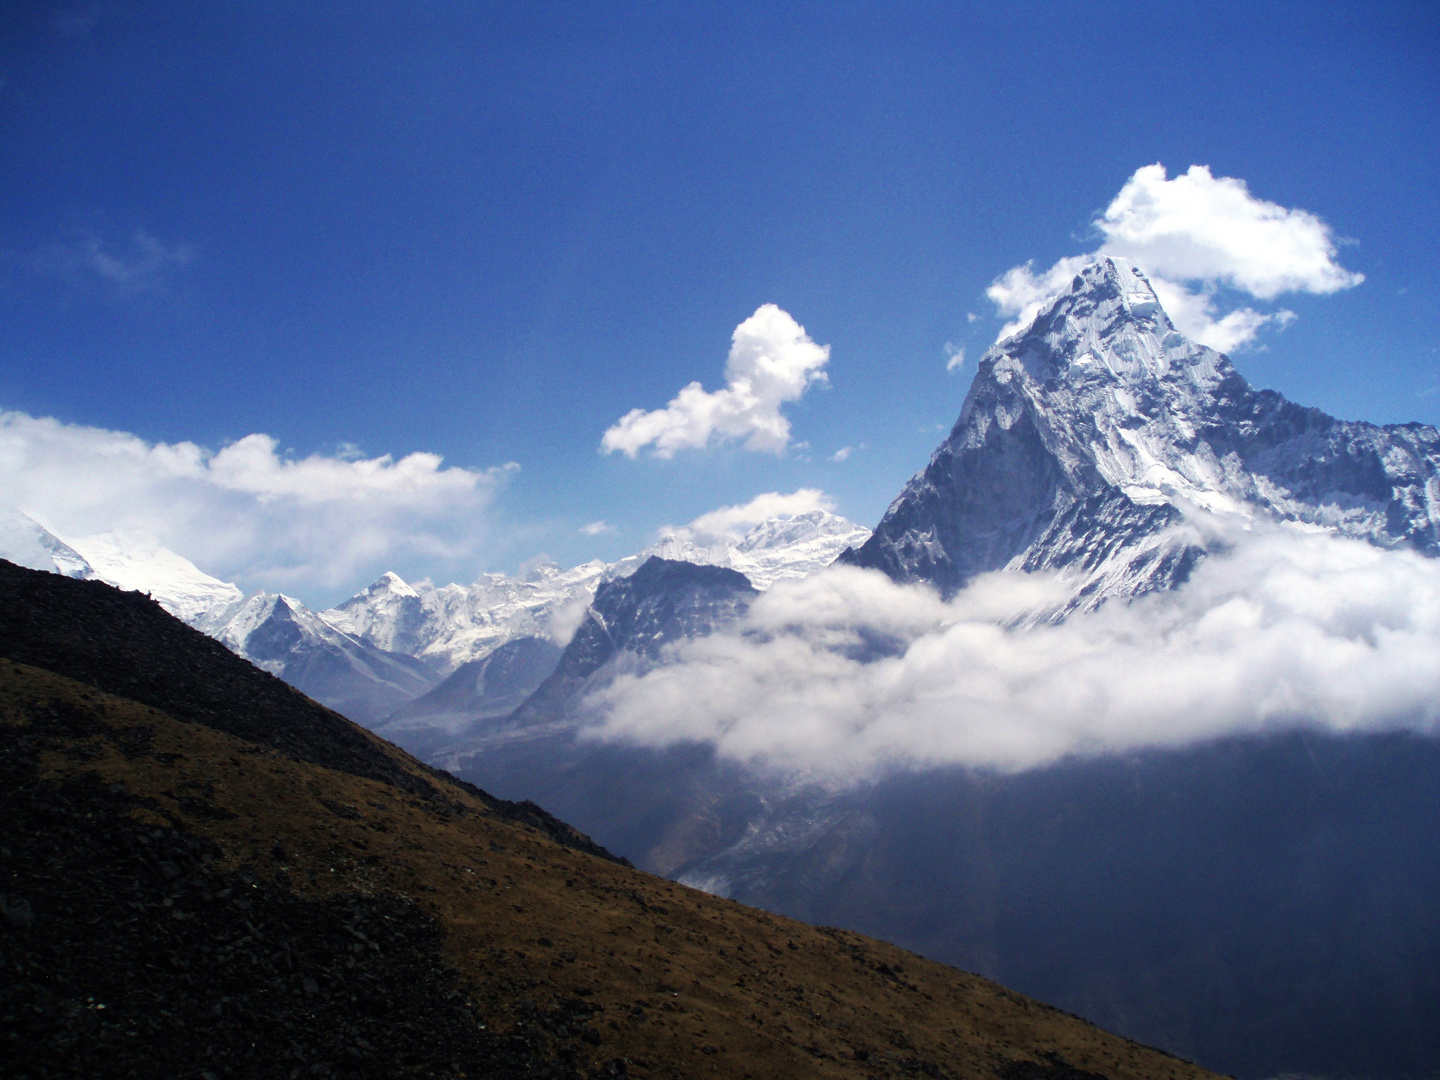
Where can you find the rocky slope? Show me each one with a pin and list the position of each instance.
(1099, 439)
(207, 871)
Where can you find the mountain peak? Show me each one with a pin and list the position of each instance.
(391, 583)
(1090, 436)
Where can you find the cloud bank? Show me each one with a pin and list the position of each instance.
(772, 361)
(848, 675)
(246, 511)
(1193, 235)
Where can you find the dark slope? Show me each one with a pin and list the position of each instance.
(242, 911)
(129, 953)
(126, 644)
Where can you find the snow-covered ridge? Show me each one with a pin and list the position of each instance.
(449, 625)
(142, 564)
(393, 641)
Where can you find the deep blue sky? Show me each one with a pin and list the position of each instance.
(488, 231)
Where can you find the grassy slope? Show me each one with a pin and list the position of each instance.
(691, 985)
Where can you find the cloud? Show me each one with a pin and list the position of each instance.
(1195, 230)
(772, 361)
(142, 265)
(1286, 630)
(955, 356)
(597, 528)
(247, 511)
(842, 454)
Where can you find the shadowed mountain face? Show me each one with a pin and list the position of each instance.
(630, 621)
(232, 879)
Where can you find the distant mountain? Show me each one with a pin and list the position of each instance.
(1088, 438)
(452, 624)
(282, 636)
(206, 872)
(26, 542)
(628, 625)
(143, 564)
(777, 549)
(476, 691)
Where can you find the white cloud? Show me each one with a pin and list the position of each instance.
(246, 512)
(142, 265)
(1196, 230)
(733, 522)
(955, 356)
(597, 528)
(1199, 227)
(1287, 630)
(842, 454)
(772, 361)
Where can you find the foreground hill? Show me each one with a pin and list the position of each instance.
(208, 874)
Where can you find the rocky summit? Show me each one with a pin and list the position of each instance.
(1101, 442)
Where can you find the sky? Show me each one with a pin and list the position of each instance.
(369, 287)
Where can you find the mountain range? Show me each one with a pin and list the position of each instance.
(393, 643)
(1263, 904)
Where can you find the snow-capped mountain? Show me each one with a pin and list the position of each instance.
(143, 564)
(450, 625)
(777, 549)
(283, 636)
(1098, 439)
(25, 542)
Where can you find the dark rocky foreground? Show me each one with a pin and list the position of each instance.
(124, 954)
(126, 644)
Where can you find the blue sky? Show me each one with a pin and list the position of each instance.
(488, 232)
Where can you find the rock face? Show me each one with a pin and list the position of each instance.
(1093, 441)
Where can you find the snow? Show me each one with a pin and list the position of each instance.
(449, 625)
(142, 564)
(25, 542)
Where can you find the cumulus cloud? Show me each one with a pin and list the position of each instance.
(246, 511)
(730, 523)
(772, 361)
(140, 265)
(1192, 236)
(846, 674)
(596, 528)
(954, 356)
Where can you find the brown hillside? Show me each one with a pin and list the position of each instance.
(242, 909)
